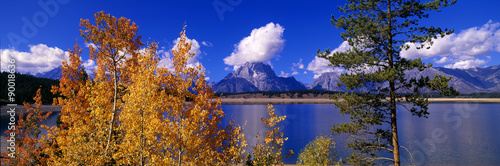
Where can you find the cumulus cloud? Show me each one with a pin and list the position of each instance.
(236, 67)
(320, 65)
(166, 54)
(90, 66)
(39, 59)
(461, 49)
(443, 60)
(262, 45)
(465, 64)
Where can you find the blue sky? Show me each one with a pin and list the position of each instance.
(283, 33)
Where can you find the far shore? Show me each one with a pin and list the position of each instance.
(20, 108)
(247, 101)
(237, 101)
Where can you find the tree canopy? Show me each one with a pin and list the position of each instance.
(132, 111)
(378, 31)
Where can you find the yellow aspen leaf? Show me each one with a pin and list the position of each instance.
(132, 112)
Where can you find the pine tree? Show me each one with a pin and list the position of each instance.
(377, 31)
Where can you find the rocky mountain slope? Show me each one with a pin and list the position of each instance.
(466, 81)
(256, 77)
(51, 74)
(328, 81)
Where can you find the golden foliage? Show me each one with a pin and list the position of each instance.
(132, 112)
(28, 149)
(269, 151)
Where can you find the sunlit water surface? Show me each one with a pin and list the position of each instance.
(454, 133)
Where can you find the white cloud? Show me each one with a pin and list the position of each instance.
(87, 45)
(462, 48)
(165, 60)
(283, 74)
(465, 64)
(474, 41)
(166, 55)
(90, 66)
(443, 60)
(227, 69)
(365, 68)
(40, 58)
(300, 65)
(262, 45)
(270, 64)
(205, 43)
(320, 65)
(497, 34)
(207, 78)
(296, 65)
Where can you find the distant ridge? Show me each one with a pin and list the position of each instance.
(466, 81)
(260, 77)
(51, 74)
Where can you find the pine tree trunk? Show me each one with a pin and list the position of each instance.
(394, 122)
(394, 126)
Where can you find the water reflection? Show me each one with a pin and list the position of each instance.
(303, 123)
(454, 133)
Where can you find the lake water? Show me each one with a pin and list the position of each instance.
(454, 133)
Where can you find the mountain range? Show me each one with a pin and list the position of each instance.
(51, 74)
(472, 80)
(261, 77)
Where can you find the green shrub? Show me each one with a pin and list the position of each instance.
(318, 152)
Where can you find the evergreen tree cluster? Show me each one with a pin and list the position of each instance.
(290, 93)
(26, 87)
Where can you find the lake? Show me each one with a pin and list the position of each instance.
(454, 133)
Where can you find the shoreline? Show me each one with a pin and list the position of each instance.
(250, 101)
(21, 109)
(239, 101)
